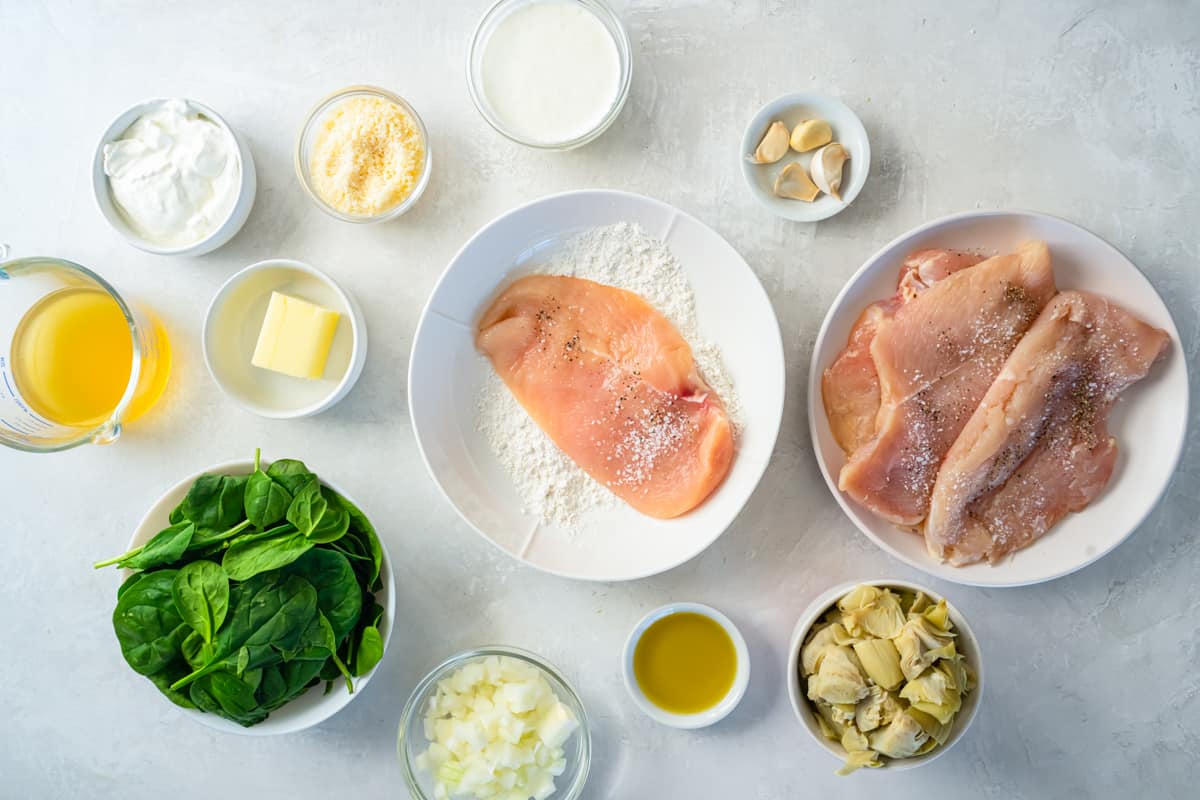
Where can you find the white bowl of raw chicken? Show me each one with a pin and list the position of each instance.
(446, 375)
(1149, 420)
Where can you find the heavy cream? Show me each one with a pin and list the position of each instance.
(550, 71)
(174, 175)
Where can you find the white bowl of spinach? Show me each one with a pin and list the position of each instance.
(257, 597)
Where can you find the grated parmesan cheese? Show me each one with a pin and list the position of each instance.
(368, 156)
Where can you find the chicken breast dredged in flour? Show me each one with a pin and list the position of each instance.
(614, 385)
(1038, 447)
(935, 357)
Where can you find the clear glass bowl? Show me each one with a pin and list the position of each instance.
(487, 25)
(412, 741)
(304, 145)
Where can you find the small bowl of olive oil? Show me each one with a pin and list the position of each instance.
(686, 665)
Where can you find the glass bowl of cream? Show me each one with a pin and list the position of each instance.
(173, 178)
(363, 155)
(549, 74)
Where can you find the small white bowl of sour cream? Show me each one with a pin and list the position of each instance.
(231, 329)
(211, 233)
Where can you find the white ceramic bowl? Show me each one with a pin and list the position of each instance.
(1149, 421)
(965, 643)
(475, 83)
(231, 329)
(223, 233)
(702, 719)
(791, 109)
(314, 706)
(446, 373)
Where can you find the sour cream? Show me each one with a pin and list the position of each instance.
(174, 175)
(550, 71)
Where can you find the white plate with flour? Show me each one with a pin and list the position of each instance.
(1149, 420)
(494, 465)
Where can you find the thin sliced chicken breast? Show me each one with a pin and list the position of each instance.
(935, 357)
(850, 385)
(1038, 447)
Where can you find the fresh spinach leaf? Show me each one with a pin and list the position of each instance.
(307, 508)
(245, 559)
(364, 531)
(165, 677)
(167, 546)
(334, 523)
(229, 696)
(290, 474)
(201, 595)
(205, 538)
(369, 651)
(266, 501)
(147, 624)
(339, 597)
(267, 611)
(216, 502)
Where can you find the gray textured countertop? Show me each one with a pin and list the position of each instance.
(1091, 112)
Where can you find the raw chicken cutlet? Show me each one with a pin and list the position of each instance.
(935, 357)
(614, 385)
(850, 385)
(1038, 447)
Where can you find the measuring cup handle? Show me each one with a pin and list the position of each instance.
(108, 434)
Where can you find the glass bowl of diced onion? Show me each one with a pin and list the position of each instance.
(496, 722)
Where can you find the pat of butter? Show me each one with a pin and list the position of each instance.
(295, 337)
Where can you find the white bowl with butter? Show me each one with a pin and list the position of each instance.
(173, 178)
(252, 365)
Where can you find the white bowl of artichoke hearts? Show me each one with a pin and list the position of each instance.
(884, 674)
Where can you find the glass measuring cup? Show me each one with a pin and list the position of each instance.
(76, 361)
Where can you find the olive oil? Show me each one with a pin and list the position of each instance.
(685, 663)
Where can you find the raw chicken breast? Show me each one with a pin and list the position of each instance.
(1037, 447)
(612, 382)
(935, 358)
(850, 385)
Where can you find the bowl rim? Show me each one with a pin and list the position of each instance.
(615, 28)
(301, 153)
(803, 710)
(223, 232)
(334, 702)
(419, 694)
(757, 125)
(358, 348)
(699, 719)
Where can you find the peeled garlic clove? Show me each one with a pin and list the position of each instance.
(810, 134)
(774, 144)
(826, 168)
(794, 184)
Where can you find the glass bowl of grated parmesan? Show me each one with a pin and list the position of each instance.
(363, 155)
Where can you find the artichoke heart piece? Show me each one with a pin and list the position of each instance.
(919, 603)
(838, 679)
(933, 693)
(810, 654)
(881, 661)
(861, 596)
(830, 725)
(938, 732)
(876, 710)
(919, 646)
(853, 741)
(856, 759)
(902, 737)
(874, 613)
(938, 616)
